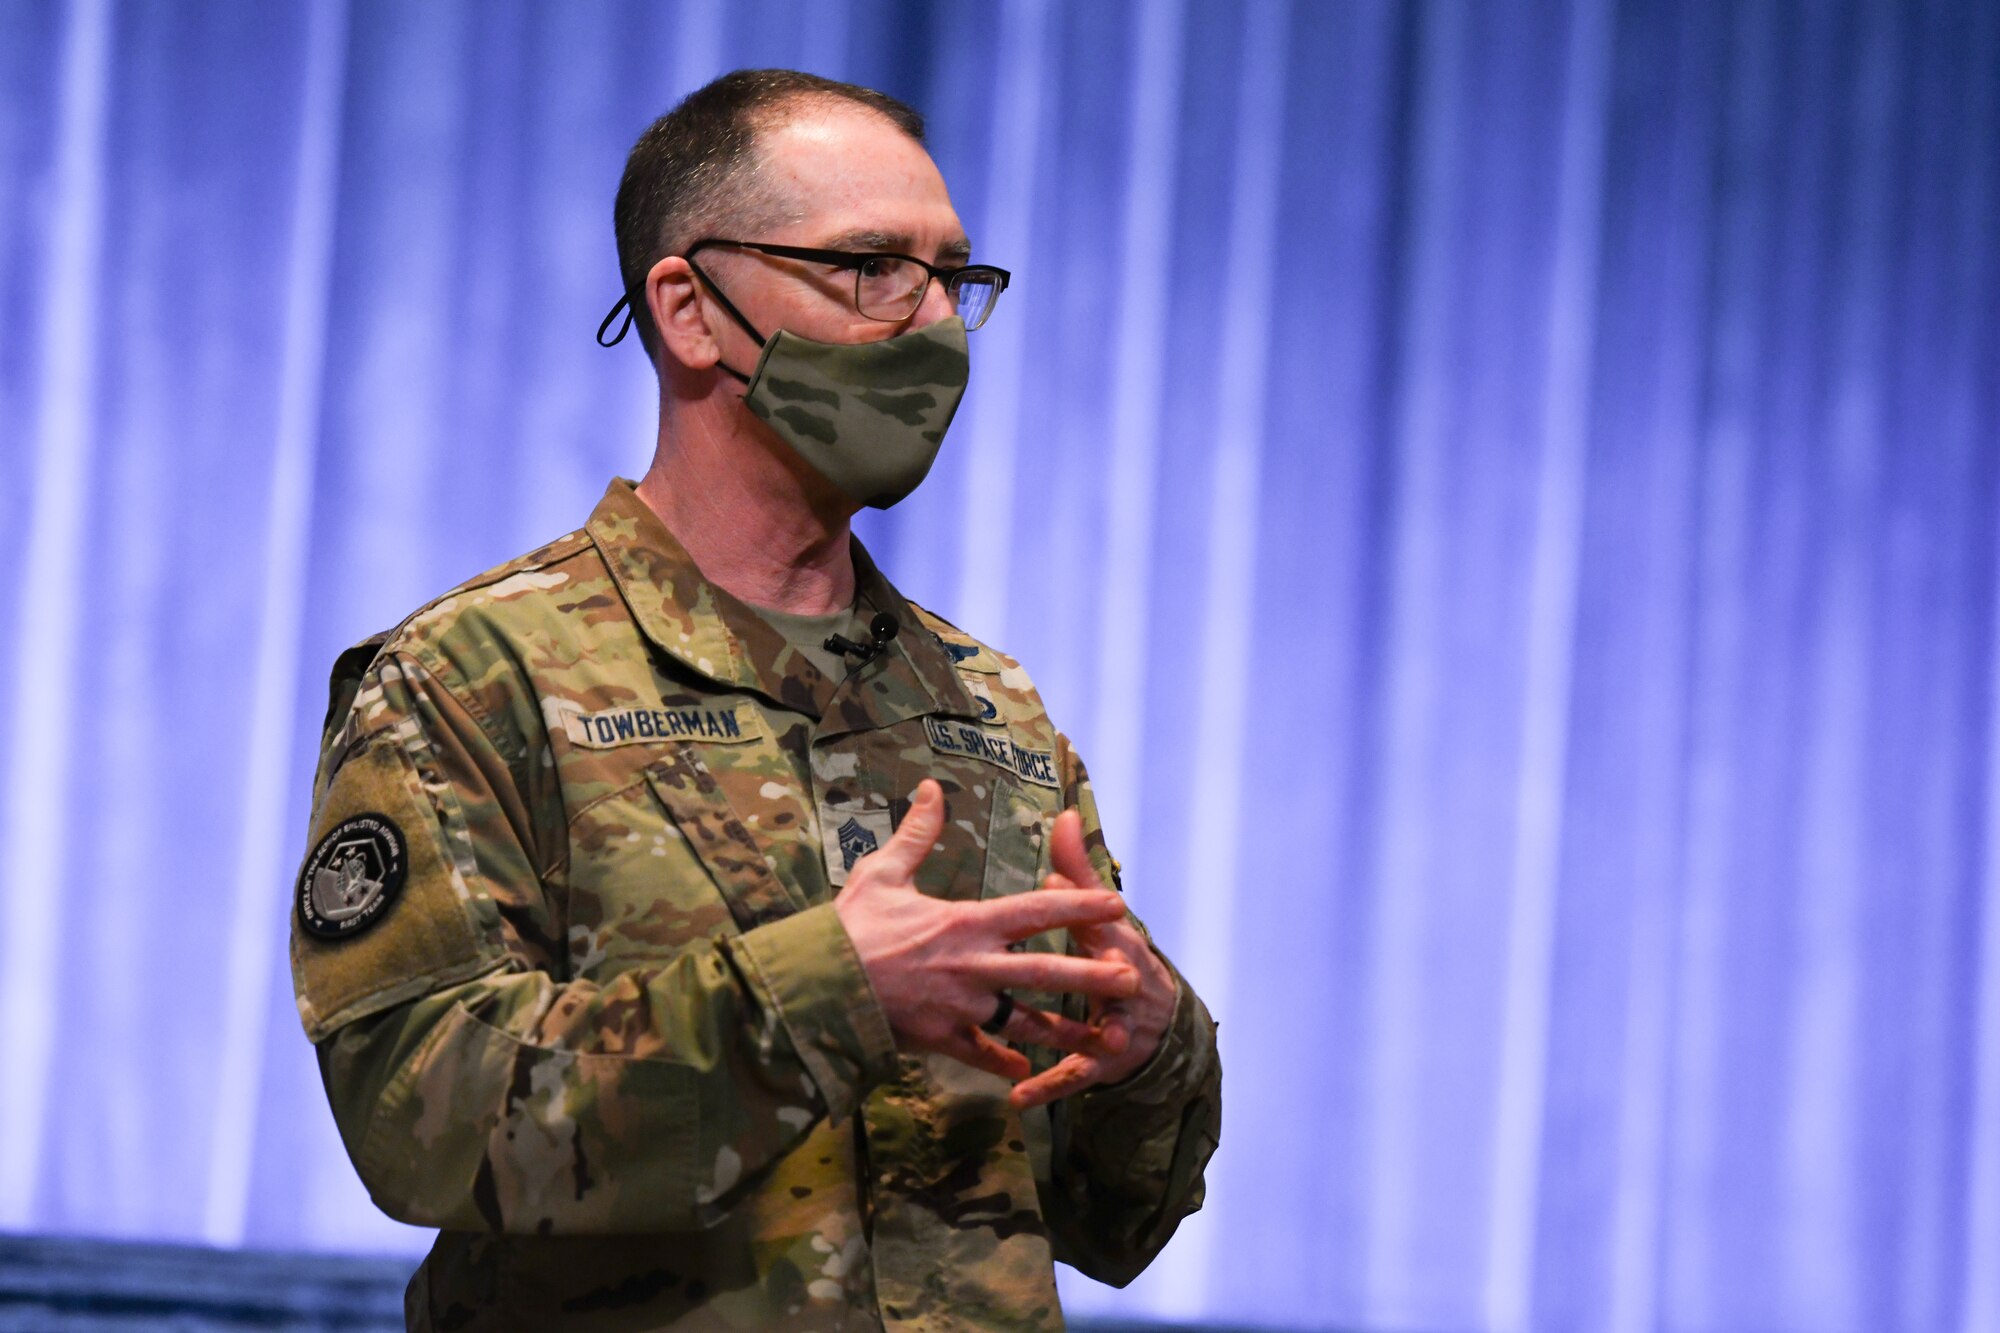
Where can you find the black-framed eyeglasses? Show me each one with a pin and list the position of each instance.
(890, 287)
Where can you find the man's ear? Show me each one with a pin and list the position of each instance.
(673, 295)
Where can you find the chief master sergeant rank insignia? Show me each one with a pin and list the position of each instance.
(855, 843)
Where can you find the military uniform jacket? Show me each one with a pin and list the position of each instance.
(566, 943)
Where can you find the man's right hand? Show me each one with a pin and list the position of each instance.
(938, 966)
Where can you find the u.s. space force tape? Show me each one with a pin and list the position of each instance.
(994, 747)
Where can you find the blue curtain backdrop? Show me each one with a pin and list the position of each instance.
(1504, 495)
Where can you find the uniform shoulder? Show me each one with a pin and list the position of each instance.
(468, 638)
(511, 595)
(968, 653)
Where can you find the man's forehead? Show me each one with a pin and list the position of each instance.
(860, 182)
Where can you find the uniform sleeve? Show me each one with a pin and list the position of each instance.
(474, 1088)
(1126, 1161)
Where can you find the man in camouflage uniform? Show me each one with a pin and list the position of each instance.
(695, 931)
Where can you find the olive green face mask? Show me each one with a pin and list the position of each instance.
(868, 417)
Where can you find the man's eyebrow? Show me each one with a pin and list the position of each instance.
(864, 238)
(867, 238)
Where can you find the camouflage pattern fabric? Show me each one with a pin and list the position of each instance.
(898, 395)
(610, 1036)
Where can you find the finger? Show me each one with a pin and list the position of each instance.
(1068, 1076)
(981, 1051)
(1083, 933)
(1105, 979)
(1023, 914)
(915, 836)
(1066, 852)
(1038, 1027)
(1112, 939)
(1099, 939)
(1114, 1033)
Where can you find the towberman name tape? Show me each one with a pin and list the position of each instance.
(717, 723)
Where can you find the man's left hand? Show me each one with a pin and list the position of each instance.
(1131, 1029)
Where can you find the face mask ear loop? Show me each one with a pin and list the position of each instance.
(729, 309)
(628, 307)
(728, 306)
(625, 305)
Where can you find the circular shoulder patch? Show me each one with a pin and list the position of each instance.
(351, 877)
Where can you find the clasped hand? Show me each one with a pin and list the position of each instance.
(938, 966)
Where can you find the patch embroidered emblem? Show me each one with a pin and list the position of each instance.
(352, 877)
(848, 833)
(970, 657)
(855, 843)
(982, 696)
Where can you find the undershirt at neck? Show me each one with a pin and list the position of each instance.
(807, 635)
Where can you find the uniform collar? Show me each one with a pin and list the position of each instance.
(720, 637)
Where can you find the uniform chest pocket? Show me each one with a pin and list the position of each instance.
(1017, 836)
(663, 862)
(864, 782)
(1017, 860)
(718, 835)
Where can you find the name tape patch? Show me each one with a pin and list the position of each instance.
(725, 724)
(352, 876)
(997, 748)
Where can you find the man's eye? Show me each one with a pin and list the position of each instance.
(874, 267)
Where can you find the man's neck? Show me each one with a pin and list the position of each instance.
(751, 523)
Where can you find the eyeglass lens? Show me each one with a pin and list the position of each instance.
(891, 289)
(975, 294)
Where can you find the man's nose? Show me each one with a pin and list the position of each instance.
(936, 305)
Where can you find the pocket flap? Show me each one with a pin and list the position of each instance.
(734, 859)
